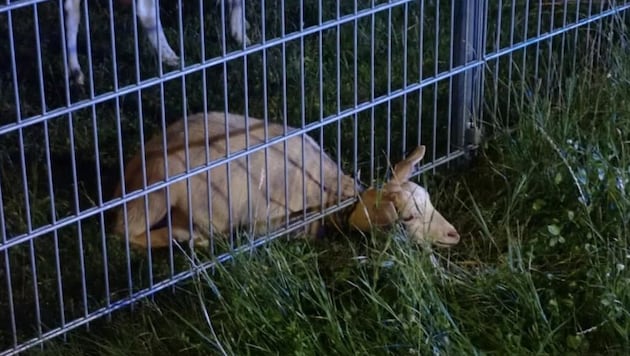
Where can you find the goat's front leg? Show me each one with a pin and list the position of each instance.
(73, 18)
(237, 16)
(160, 236)
(150, 21)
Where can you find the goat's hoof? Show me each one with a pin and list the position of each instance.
(77, 77)
(241, 38)
(171, 60)
(202, 243)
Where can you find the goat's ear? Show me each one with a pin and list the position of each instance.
(404, 168)
(356, 177)
(373, 209)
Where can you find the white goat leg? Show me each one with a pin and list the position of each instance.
(153, 28)
(237, 15)
(73, 18)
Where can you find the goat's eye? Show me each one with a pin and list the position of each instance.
(408, 219)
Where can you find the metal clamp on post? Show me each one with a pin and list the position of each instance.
(469, 30)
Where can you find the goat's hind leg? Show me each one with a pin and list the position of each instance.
(72, 20)
(150, 20)
(238, 28)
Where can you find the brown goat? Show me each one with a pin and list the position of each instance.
(304, 157)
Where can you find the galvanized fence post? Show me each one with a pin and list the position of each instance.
(469, 31)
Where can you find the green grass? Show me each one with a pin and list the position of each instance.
(541, 268)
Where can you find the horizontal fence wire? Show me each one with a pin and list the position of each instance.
(357, 83)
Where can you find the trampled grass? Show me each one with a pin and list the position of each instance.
(543, 210)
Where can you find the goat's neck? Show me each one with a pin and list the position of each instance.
(336, 222)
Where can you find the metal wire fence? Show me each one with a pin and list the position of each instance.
(83, 86)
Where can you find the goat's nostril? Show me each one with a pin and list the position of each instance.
(453, 234)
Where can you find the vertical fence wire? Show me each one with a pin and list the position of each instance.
(372, 89)
(420, 45)
(355, 88)
(436, 72)
(7, 270)
(265, 100)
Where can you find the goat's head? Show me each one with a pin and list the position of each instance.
(405, 201)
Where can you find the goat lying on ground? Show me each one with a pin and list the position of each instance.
(146, 11)
(399, 198)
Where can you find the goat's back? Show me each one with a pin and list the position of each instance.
(265, 184)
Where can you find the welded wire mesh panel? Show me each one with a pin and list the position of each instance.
(359, 82)
(533, 45)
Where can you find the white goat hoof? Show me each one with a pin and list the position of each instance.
(77, 77)
(202, 243)
(240, 38)
(171, 61)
